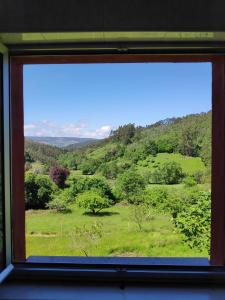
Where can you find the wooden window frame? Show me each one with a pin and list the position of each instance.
(217, 255)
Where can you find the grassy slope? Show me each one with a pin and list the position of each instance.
(188, 164)
(51, 233)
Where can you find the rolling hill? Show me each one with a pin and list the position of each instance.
(62, 142)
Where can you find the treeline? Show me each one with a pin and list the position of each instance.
(131, 145)
(45, 154)
(189, 135)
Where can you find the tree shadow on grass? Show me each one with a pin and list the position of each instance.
(100, 214)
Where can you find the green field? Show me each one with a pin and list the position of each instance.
(51, 233)
(189, 165)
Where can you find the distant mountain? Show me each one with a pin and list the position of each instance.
(62, 142)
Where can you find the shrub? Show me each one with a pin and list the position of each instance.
(130, 186)
(171, 172)
(194, 220)
(140, 214)
(199, 176)
(156, 197)
(89, 167)
(189, 181)
(150, 147)
(109, 170)
(38, 190)
(58, 204)
(82, 184)
(59, 176)
(92, 201)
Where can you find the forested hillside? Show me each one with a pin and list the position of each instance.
(129, 144)
(43, 153)
(153, 183)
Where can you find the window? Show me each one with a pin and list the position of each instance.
(217, 237)
(2, 228)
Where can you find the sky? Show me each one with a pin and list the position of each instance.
(89, 100)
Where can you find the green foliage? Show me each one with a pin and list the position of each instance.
(46, 154)
(58, 205)
(140, 214)
(61, 201)
(89, 167)
(130, 186)
(38, 190)
(150, 147)
(194, 220)
(38, 168)
(69, 160)
(92, 201)
(27, 157)
(110, 170)
(165, 145)
(124, 134)
(82, 184)
(189, 181)
(171, 172)
(156, 197)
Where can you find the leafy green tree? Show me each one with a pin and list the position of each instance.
(156, 197)
(150, 147)
(92, 201)
(165, 145)
(194, 220)
(89, 167)
(188, 141)
(130, 186)
(171, 172)
(69, 160)
(109, 170)
(27, 157)
(82, 184)
(124, 134)
(189, 181)
(38, 190)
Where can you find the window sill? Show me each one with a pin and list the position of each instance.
(121, 270)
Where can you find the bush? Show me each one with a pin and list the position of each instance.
(109, 170)
(194, 220)
(140, 214)
(89, 167)
(92, 201)
(189, 181)
(171, 172)
(59, 176)
(58, 204)
(150, 147)
(156, 197)
(38, 190)
(130, 186)
(82, 184)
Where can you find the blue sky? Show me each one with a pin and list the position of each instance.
(88, 100)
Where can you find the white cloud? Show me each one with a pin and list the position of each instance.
(79, 129)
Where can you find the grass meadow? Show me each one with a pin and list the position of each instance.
(113, 232)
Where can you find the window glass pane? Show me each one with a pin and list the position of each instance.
(118, 159)
(2, 254)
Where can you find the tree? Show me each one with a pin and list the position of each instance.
(82, 184)
(92, 201)
(150, 147)
(109, 170)
(89, 167)
(193, 221)
(171, 172)
(59, 176)
(38, 190)
(130, 186)
(124, 134)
